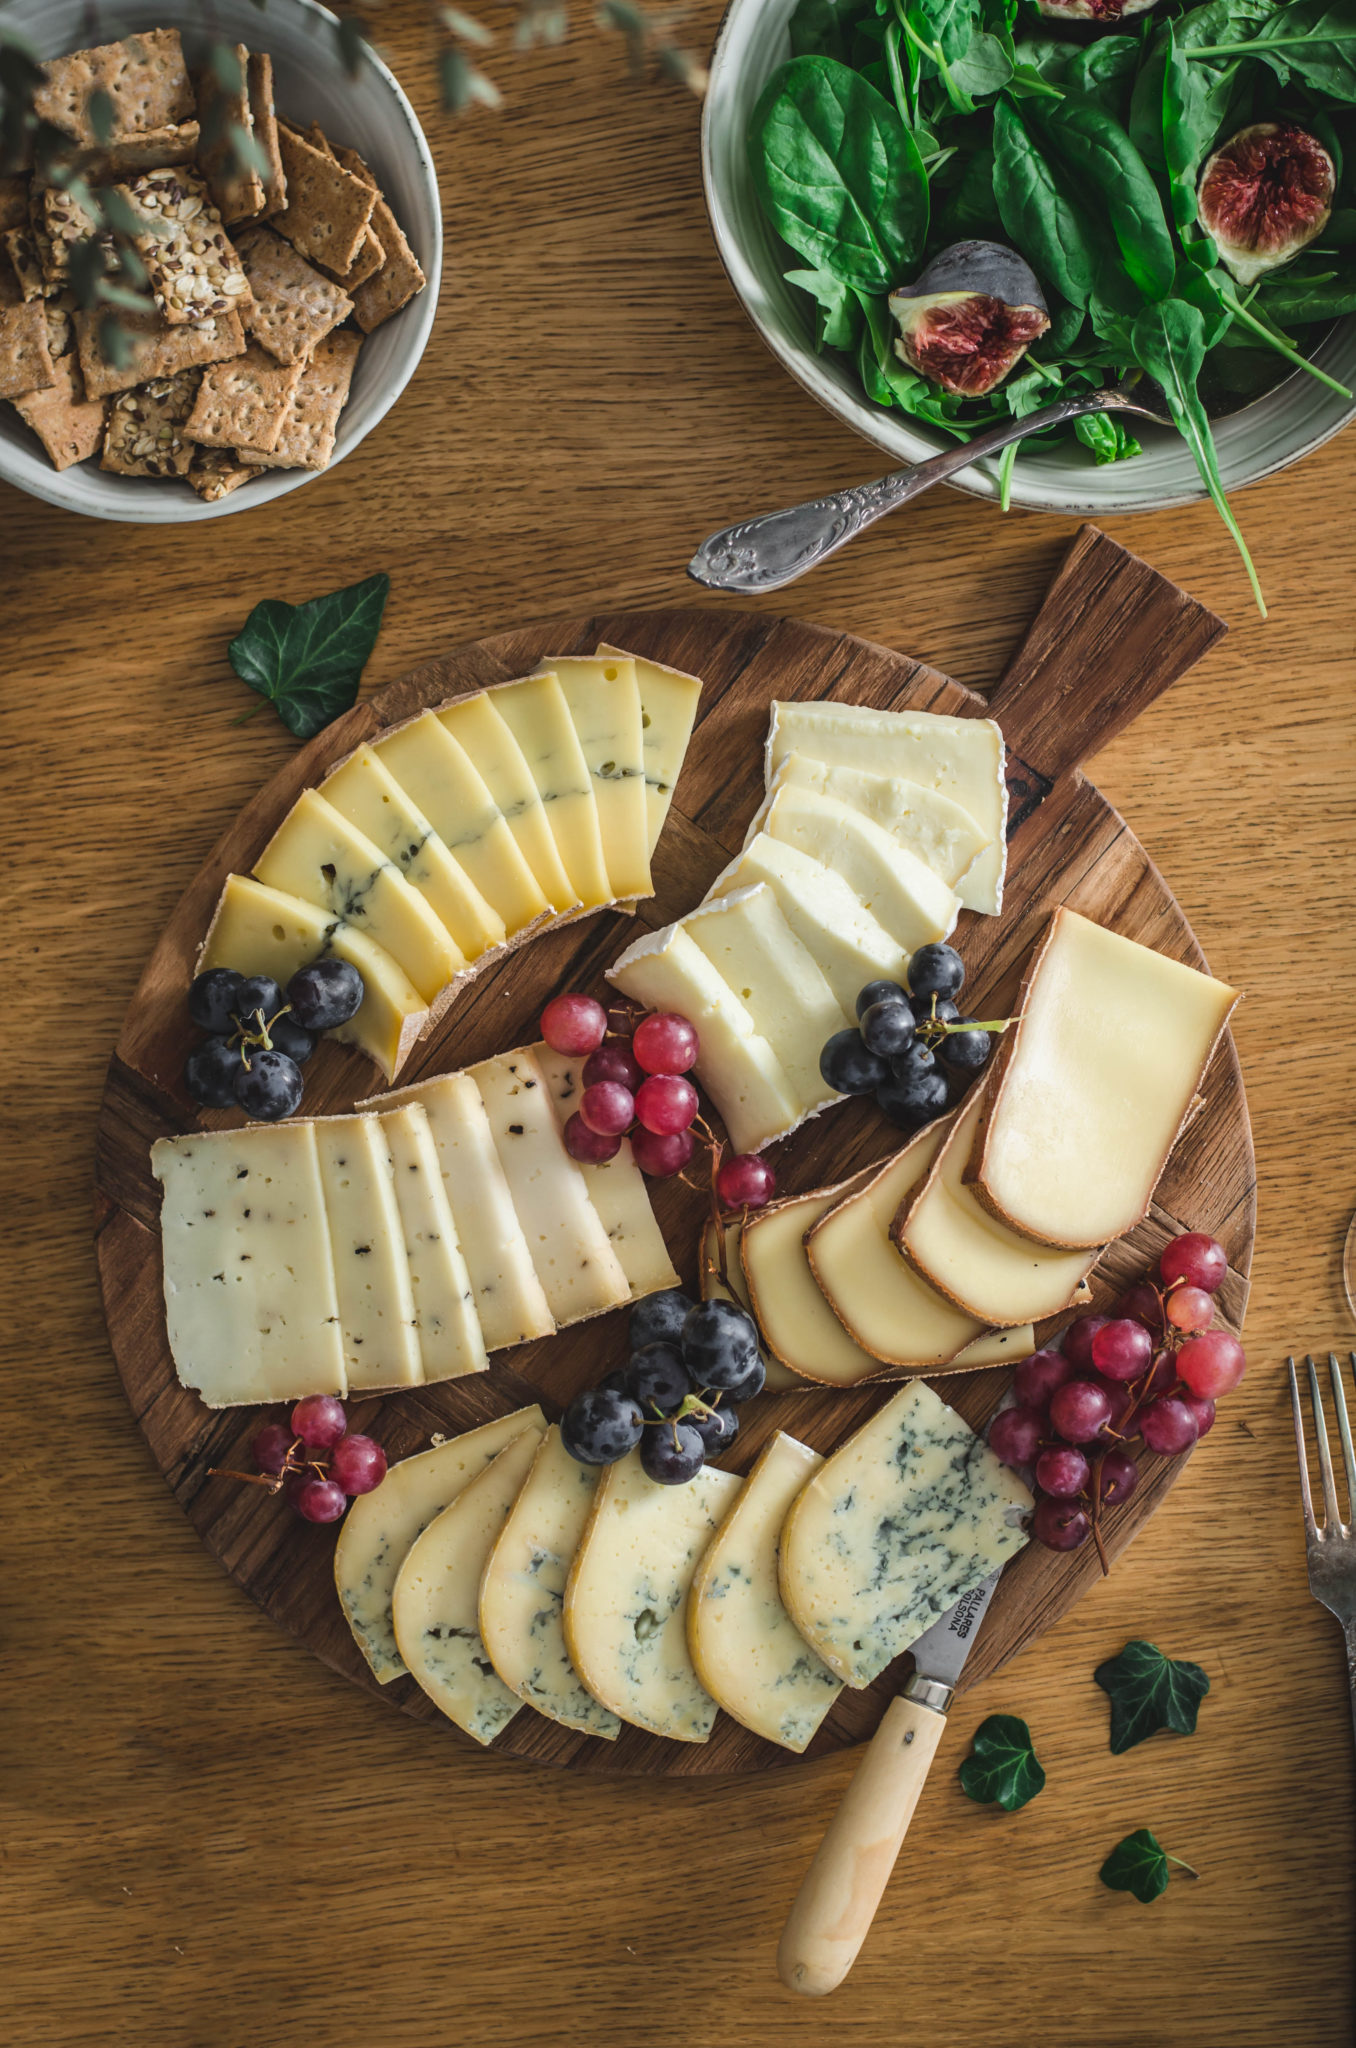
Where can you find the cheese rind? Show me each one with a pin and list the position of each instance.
(451, 1341)
(490, 742)
(603, 696)
(538, 715)
(616, 1187)
(668, 710)
(939, 831)
(747, 1651)
(912, 1512)
(787, 1301)
(734, 1287)
(914, 905)
(367, 1242)
(756, 953)
(849, 946)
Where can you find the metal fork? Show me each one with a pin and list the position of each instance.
(1331, 1549)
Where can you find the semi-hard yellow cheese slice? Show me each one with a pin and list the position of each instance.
(604, 700)
(490, 743)
(668, 707)
(372, 1270)
(915, 906)
(451, 1341)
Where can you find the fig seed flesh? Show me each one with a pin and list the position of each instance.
(967, 342)
(1265, 195)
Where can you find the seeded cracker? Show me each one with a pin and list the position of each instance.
(69, 425)
(307, 437)
(60, 327)
(400, 277)
(13, 203)
(243, 404)
(157, 350)
(293, 306)
(23, 255)
(328, 210)
(216, 472)
(145, 434)
(238, 195)
(263, 114)
(193, 269)
(129, 155)
(25, 359)
(60, 221)
(144, 76)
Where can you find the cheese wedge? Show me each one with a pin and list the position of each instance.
(491, 744)
(667, 970)
(439, 777)
(364, 791)
(758, 956)
(626, 1596)
(911, 902)
(962, 758)
(604, 701)
(250, 1297)
(451, 1341)
(376, 1533)
(434, 1605)
(747, 1651)
(668, 711)
(367, 1241)
(988, 1270)
(616, 1187)
(847, 944)
(786, 1299)
(318, 855)
(734, 1287)
(940, 832)
(1090, 1090)
(261, 931)
(522, 1592)
(880, 1300)
(910, 1514)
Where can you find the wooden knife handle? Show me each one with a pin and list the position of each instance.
(837, 1902)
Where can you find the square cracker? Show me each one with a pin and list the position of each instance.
(145, 434)
(328, 210)
(293, 305)
(242, 404)
(59, 221)
(157, 350)
(237, 194)
(155, 150)
(20, 245)
(190, 261)
(69, 425)
(263, 114)
(308, 431)
(216, 472)
(144, 76)
(400, 276)
(25, 359)
(13, 203)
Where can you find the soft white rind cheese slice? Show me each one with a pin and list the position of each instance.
(912, 1512)
(616, 1187)
(734, 1287)
(748, 1652)
(250, 1297)
(379, 1528)
(626, 1598)
(604, 701)
(434, 1604)
(758, 956)
(668, 709)
(912, 903)
(367, 1241)
(786, 1299)
(941, 833)
(451, 1341)
(537, 714)
(522, 1592)
(490, 743)
(849, 946)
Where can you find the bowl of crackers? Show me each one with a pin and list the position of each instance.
(284, 285)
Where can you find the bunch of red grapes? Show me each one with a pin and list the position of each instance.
(1152, 1372)
(318, 1462)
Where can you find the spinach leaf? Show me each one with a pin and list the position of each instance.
(985, 68)
(1149, 1691)
(838, 315)
(950, 24)
(969, 210)
(1139, 1864)
(1314, 40)
(1097, 149)
(307, 659)
(838, 173)
(1107, 435)
(1291, 302)
(817, 29)
(1195, 101)
(1039, 212)
(1105, 71)
(1003, 1768)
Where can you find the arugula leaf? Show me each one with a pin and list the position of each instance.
(1149, 1691)
(1139, 1864)
(1097, 149)
(307, 659)
(1002, 1768)
(1040, 214)
(1314, 40)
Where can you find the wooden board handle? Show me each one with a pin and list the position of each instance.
(837, 1901)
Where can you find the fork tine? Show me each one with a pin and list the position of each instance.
(1344, 1428)
(1330, 1508)
(1306, 1498)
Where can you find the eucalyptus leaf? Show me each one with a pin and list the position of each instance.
(307, 660)
(1002, 1769)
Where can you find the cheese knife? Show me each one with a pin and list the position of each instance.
(837, 1901)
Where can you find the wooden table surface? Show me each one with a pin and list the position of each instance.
(210, 1841)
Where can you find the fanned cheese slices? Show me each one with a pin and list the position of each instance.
(603, 695)
(786, 1300)
(668, 709)
(848, 945)
(451, 1341)
(940, 832)
(915, 906)
(372, 1269)
(481, 730)
(538, 716)
(760, 959)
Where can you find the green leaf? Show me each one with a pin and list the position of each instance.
(1108, 437)
(1149, 1691)
(1040, 213)
(308, 659)
(1139, 1864)
(1105, 71)
(1002, 1769)
(839, 315)
(1099, 152)
(817, 29)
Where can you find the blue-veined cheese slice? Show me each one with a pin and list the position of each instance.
(376, 1533)
(367, 1242)
(747, 1651)
(451, 1341)
(756, 953)
(912, 1512)
(668, 709)
(522, 1592)
(535, 711)
(938, 830)
(616, 1187)
(491, 745)
(435, 1601)
(603, 696)
(848, 944)
(915, 906)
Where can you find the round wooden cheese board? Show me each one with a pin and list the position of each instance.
(1111, 635)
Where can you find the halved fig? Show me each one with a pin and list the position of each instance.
(1092, 10)
(969, 317)
(1264, 195)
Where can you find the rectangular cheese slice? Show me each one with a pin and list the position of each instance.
(318, 855)
(988, 1270)
(538, 715)
(616, 1188)
(668, 711)
(261, 931)
(912, 1512)
(732, 1286)
(491, 745)
(440, 779)
(379, 1527)
(1090, 1090)
(580, 1273)
(848, 945)
(914, 906)
(451, 1341)
(250, 1300)
(737, 1067)
(747, 1651)
(510, 1302)
(522, 1592)
(939, 831)
(787, 1302)
(604, 700)
(367, 1242)
(364, 791)
(754, 950)
(626, 1597)
(962, 758)
(434, 1604)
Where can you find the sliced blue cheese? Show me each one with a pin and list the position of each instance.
(617, 1188)
(451, 1341)
(367, 1242)
(912, 1512)
(490, 743)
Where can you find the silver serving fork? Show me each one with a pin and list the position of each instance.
(1330, 1549)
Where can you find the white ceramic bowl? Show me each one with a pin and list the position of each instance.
(369, 113)
(1298, 417)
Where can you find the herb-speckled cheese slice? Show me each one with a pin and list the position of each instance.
(536, 713)
(434, 1605)
(668, 710)
(379, 1528)
(915, 906)
(604, 700)
(626, 1599)
(522, 1593)
(490, 743)
(940, 832)
(367, 1242)
(451, 1341)
(748, 1652)
(617, 1187)
(911, 1513)
(734, 1287)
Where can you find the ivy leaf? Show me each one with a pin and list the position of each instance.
(1003, 1767)
(308, 659)
(1149, 1691)
(1139, 1864)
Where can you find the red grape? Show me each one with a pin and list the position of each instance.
(1122, 1398)
(1168, 1426)
(319, 1500)
(1191, 1308)
(1059, 1525)
(1212, 1364)
(1080, 1411)
(1143, 1304)
(590, 1148)
(1062, 1472)
(613, 1061)
(1163, 1377)
(1077, 1345)
(662, 1157)
(1122, 1350)
(357, 1464)
(1119, 1477)
(745, 1182)
(319, 1421)
(665, 1043)
(1015, 1435)
(574, 1024)
(1203, 1410)
(1196, 1259)
(1037, 1377)
(666, 1103)
(608, 1109)
(269, 1447)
